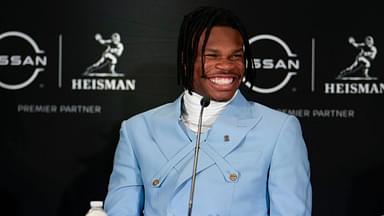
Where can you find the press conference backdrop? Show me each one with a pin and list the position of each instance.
(60, 121)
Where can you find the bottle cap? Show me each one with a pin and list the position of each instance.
(96, 204)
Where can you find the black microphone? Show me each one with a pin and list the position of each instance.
(204, 102)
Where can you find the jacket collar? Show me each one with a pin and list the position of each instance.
(234, 122)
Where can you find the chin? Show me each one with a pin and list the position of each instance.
(222, 98)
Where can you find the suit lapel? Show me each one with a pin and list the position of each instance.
(164, 126)
(233, 125)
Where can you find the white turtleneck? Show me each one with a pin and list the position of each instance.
(191, 111)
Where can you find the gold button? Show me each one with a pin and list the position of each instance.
(233, 177)
(155, 182)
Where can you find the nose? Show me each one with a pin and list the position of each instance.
(225, 65)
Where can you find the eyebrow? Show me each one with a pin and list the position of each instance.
(216, 51)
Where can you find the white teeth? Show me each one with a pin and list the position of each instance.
(222, 81)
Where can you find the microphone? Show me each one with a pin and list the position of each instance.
(204, 102)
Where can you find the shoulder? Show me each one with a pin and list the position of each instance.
(274, 118)
(268, 112)
(255, 110)
(162, 111)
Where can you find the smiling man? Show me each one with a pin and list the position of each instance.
(253, 159)
(219, 68)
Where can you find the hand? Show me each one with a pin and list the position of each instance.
(98, 36)
(351, 40)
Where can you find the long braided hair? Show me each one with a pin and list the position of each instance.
(193, 25)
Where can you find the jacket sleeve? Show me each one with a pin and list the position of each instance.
(289, 184)
(125, 191)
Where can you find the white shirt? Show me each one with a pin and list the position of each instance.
(191, 111)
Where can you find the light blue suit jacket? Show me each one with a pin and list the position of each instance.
(253, 161)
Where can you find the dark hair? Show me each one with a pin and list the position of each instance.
(193, 25)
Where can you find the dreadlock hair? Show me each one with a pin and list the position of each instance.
(193, 25)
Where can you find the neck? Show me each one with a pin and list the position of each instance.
(192, 107)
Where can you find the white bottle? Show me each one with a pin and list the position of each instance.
(96, 209)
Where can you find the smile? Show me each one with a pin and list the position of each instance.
(222, 80)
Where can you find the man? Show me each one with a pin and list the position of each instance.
(363, 59)
(253, 160)
(109, 57)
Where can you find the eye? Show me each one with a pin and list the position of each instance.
(211, 56)
(237, 56)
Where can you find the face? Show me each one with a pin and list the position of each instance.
(115, 38)
(223, 59)
(369, 41)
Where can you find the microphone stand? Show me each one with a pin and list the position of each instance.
(204, 103)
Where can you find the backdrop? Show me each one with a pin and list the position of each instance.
(321, 61)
